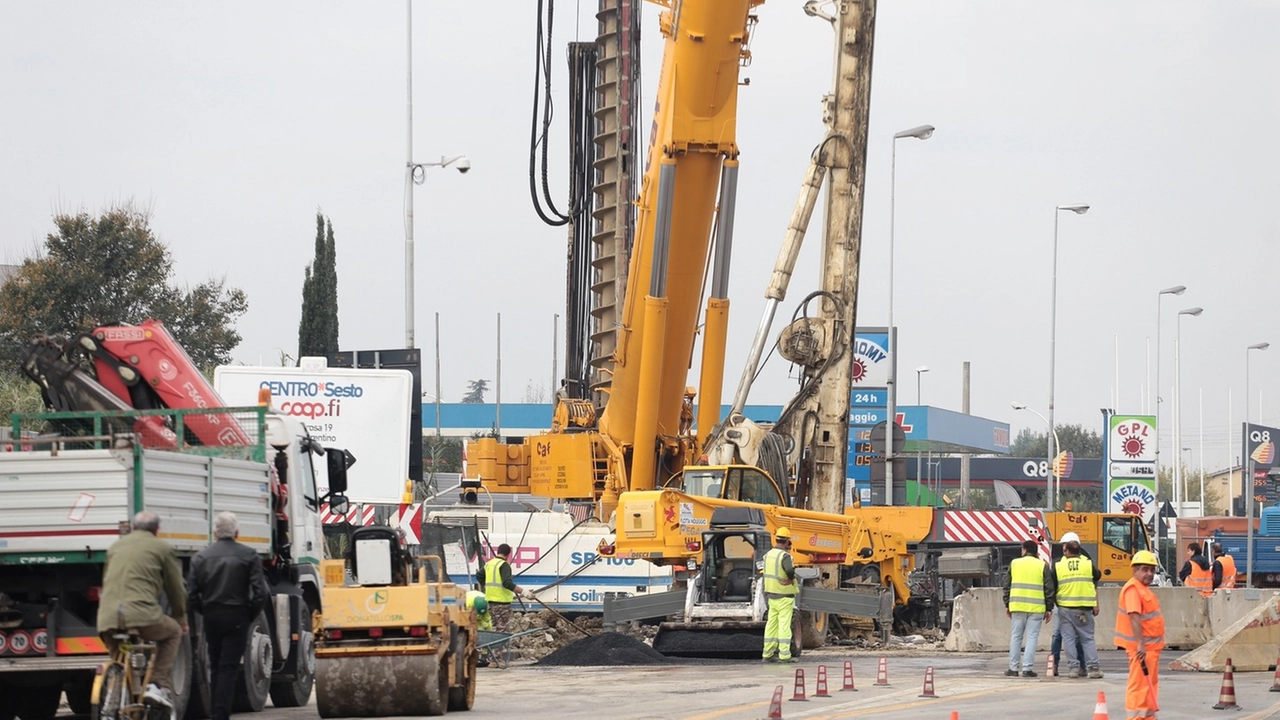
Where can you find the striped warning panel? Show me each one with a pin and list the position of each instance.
(996, 526)
(359, 515)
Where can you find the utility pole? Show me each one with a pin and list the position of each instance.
(844, 153)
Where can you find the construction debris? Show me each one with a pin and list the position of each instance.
(604, 649)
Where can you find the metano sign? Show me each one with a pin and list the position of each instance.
(363, 411)
(1131, 465)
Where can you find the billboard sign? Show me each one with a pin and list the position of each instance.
(1260, 449)
(1131, 465)
(871, 359)
(364, 411)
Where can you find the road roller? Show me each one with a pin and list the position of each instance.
(392, 641)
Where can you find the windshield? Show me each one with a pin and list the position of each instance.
(705, 483)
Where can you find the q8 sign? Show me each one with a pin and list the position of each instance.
(364, 411)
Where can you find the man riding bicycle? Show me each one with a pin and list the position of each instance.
(141, 566)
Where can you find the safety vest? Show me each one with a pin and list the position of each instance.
(1026, 589)
(1075, 582)
(1228, 571)
(493, 589)
(1148, 612)
(776, 581)
(485, 619)
(1201, 579)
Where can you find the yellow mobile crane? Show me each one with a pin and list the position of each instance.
(645, 437)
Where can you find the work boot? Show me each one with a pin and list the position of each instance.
(1095, 673)
(1028, 673)
(1011, 673)
(1074, 674)
(770, 659)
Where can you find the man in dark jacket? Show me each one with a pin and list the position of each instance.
(228, 586)
(140, 568)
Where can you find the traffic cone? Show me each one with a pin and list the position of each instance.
(955, 715)
(1100, 710)
(821, 691)
(882, 672)
(1227, 695)
(1050, 668)
(927, 692)
(1275, 683)
(775, 705)
(848, 677)
(798, 695)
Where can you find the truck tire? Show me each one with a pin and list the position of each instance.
(39, 703)
(813, 629)
(297, 692)
(8, 703)
(253, 682)
(200, 701)
(79, 695)
(183, 677)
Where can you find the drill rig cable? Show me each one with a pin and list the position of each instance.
(542, 83)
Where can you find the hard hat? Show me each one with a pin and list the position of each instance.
(783, 534)
(1145, 557)
(1070, 537)
(481, 605)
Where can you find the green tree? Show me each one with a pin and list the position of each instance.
(18, 395)
(1213, 501)
(112, 269)
(475, 392)
(1074, 438)
(318, 328)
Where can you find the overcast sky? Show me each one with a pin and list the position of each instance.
(234, 121)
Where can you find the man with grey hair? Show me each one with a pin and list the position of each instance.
(140, 567)
(228, 586)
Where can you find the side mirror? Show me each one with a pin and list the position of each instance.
(338, 504)
(338, 461)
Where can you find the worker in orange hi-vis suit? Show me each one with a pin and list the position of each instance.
(1140, 631)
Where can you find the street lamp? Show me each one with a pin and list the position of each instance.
(920, 371)
(416, 174)
(1053, 319)
(1177, 402)
(1246, 481)
(1049, 472)
(922, 132)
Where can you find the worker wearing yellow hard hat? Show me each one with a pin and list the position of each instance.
(1140, 631)
(780, 590)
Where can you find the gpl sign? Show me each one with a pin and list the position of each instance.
(1131, 465)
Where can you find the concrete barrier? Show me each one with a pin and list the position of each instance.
(978, 622)
(1251, 642)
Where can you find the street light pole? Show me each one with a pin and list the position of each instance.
(1049, 472)
(1053, 338)
(1175, 290)
(1246, 463)
(920, 371)
(923, 132)
(1177, 404)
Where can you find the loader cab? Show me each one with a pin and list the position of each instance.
(377, 557)
(742, 483)
(733, 551)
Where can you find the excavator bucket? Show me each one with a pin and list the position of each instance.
(728, 639)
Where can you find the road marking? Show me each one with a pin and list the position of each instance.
(912, 704)
(1262, 713)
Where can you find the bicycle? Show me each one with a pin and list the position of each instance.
(119, 689)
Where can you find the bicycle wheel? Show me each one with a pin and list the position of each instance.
(110, 695)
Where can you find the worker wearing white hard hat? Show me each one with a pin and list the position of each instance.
(1077, 600)
(1055, 647)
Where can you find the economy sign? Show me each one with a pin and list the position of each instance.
(364, 411)
(870, 359)
(1131, 465)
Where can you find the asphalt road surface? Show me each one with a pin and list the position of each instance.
(971, 684)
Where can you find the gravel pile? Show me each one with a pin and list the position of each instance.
(608, 648)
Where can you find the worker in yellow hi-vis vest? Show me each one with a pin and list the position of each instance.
(780, 590)
(1028, 601)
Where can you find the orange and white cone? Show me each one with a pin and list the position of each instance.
(927, 692)
(848, 677)
(821, 690)
(1050, 668)
(775, 705)
(1100, 709)
(1227, 695)
(1275, 682)
(798, 695)
(955, 715)
(882, 672)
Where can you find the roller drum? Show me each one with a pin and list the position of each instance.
(381, 685)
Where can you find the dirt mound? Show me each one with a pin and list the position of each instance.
(608, 648)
